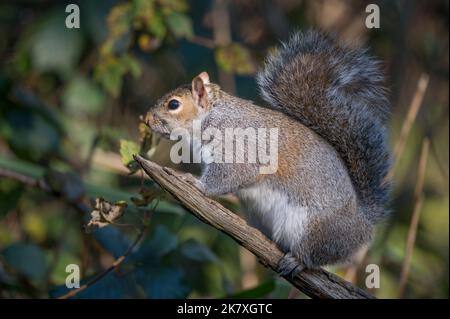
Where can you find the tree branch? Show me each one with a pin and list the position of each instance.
(314, 283)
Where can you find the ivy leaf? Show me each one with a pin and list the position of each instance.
(112, 240)
(180, 25)
(83, 96)
(27, 259)
(10, 193)
(152, 249)
(119, 19)
(131, 65)
(198, 251)
(110, 72)
(156, 26)
(235, 58)
(175, 5)
(144, 9)
(55, 48)
(127, 150)
(163, 282)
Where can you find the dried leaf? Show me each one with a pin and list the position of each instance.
(105, 213)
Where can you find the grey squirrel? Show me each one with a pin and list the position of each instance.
(330, 106)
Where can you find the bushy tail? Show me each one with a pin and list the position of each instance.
(337, 92)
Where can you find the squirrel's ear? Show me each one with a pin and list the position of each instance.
(199, 90)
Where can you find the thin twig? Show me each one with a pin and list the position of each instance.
(414, 107)
(24, 179)
(419, 198)
(113, 266)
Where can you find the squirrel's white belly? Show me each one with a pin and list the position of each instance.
(271, 212)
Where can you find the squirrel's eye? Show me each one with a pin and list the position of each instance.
(173, 104)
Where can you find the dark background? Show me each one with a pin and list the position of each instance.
(70, 101)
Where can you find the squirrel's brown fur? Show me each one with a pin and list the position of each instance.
(321, 203)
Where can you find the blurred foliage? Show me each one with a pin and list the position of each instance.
(70, 101)
(235, 58)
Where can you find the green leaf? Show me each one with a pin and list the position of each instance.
(27, 259)
(110, 72)
(144, 9)
(30, 134)
(162, 282)
(127, 150)
(234, 58)
(180, 25)
(161, 242)
(131, 65)
(10, 193)
(156, 26)
(120, 19)
(174, 5)
(54, 47)
(113, 240)
(82, 96)
(112, 286)
(198, 251)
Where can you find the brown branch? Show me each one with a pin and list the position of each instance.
(419, 198)
(315, 283)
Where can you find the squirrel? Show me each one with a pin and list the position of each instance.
(331, 108)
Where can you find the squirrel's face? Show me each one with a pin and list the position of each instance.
(179, 108)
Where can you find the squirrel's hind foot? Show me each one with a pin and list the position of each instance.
(289, 266)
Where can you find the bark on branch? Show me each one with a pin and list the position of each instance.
(314, 283)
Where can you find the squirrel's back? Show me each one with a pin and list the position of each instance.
(337, 92)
